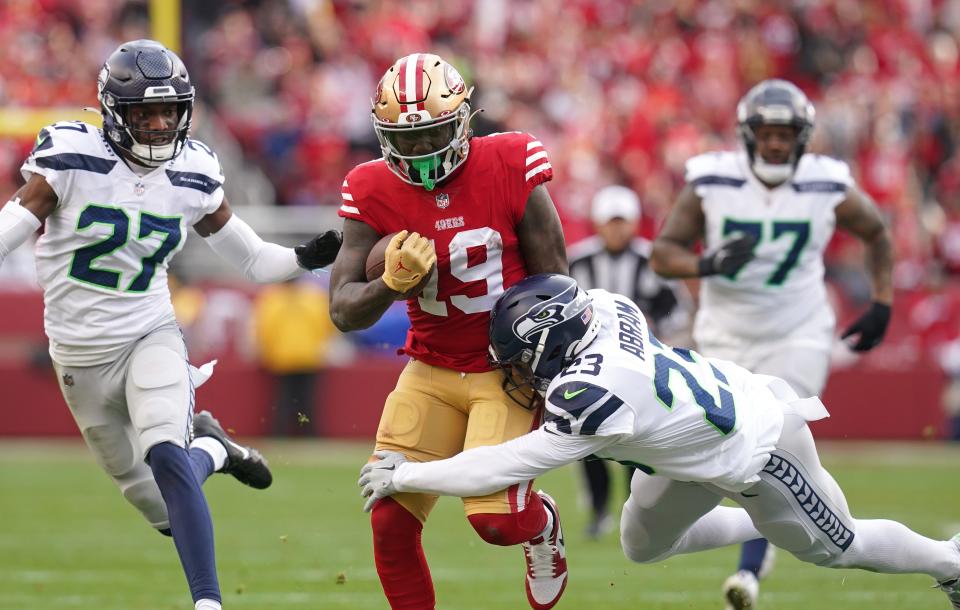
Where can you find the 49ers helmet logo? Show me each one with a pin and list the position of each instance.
(453, 80)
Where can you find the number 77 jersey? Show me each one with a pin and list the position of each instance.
(471, 219)
(782, 288)
(102, 259)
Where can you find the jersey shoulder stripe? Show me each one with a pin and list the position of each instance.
(574, 397)
(593, 421)
(194, 180)
(718, 181)
(579, 407)
(819, 186)
(75, 161)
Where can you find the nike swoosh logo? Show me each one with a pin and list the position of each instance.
(567, 394)
(746, 495)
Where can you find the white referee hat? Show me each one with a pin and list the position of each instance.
(614, 202)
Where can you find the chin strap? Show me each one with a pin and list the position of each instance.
(424, 167)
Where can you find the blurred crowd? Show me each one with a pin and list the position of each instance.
(619, 92)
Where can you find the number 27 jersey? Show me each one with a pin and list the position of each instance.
(471, 219)
(102, 259)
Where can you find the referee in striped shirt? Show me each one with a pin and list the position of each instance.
(616, 260)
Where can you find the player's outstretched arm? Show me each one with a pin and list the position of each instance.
(540, 235)
(356, 303)
(261, 261)
(858, 215)
(484, 470)
(24, 213)
(672, 255)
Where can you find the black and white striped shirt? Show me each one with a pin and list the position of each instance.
(666, 304)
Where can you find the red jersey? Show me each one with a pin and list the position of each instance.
(471, 219)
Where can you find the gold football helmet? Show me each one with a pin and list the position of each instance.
(421, 114)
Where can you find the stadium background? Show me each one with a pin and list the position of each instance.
(618, 92)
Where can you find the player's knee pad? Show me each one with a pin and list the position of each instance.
(804, 545)
(112, 448)
(507, 529)
(638, 542)
(145, 496)
(158, 395)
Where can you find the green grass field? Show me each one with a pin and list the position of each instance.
(68, 540)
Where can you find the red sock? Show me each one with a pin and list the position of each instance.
(512, 528)
(398, 553)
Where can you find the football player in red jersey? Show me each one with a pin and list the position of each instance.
(479, 219)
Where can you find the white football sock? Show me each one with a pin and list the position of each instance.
(722, 526)
(889, 547)
(208, 604)
(213, 448)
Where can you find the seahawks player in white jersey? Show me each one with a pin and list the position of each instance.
(765, 215)
(118, 203)
(700, 430)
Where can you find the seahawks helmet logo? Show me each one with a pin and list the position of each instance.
(550, 313)
(540, 317)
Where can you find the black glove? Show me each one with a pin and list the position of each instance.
(319, 251)
(729, 257)
(871, 326)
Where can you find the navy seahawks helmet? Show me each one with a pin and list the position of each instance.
(775, 102)
(536, 329)
(144, 72)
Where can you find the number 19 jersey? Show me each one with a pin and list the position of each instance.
(471, 219)
(102, 259)
(782, 289)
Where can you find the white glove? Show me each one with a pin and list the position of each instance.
(376, 478)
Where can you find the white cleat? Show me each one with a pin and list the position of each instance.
(741, 590)
(546, 562)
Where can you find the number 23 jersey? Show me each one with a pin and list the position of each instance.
(102, 259)
(471, 219)
(665, 410)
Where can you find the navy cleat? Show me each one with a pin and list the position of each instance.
(245, 464)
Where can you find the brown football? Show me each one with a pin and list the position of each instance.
(376, 261)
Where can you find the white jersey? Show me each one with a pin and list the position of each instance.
(632, 399)
(675, 412)
(102, 260)
(782, 289)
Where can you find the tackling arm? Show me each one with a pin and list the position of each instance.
(540, 235)
(356, 303)
(484, 470)
(24, 213)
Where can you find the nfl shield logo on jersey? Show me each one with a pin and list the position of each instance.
(68, 379)
(443, 201)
